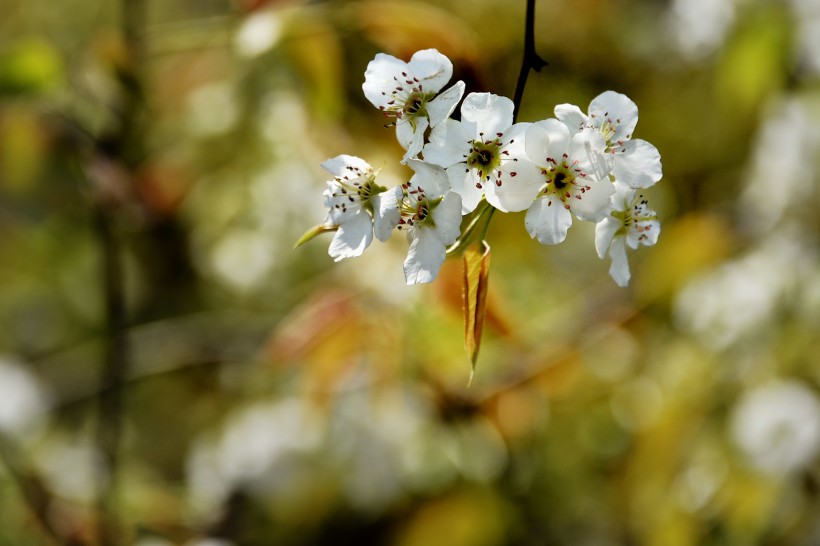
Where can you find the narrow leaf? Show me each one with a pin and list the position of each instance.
(313, 232)
(476, 261)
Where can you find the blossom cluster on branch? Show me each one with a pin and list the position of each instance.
(582, 165)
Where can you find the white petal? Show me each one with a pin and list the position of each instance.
(491, 113)
(410, 138)
(637, 164)
(652, 234)
(514, 140)
(386, 212)
(548, 223)
(588, 148)
(447, 218)
(352, 237)
(425, 256)
(619, 110)
(594, 203)
(448, 145)
(443, 105)
(429, 177)
(644, 233)
(520, 183)
(339, 206)
(379, 81)
(571, 116)
(624, 195)
(619, 270)
(605, 231)
(432, 68)
(547, 138)
(537, 141)
(346, 165)
(463, 181)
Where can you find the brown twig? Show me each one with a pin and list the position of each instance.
(123, 149)
(34, 491)
(530, 61)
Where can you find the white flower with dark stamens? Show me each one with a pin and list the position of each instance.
(573, 179)
(356, 206)
(484, 155)
(408, 93)
(431, 215)
(630, 223)
(635, 162)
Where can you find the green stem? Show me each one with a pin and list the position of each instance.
(467, 234)
(487, 224)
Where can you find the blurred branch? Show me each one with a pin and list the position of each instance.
(115, 370)
(531, 60)
(198, 34)
(123, 150)
(35, 494)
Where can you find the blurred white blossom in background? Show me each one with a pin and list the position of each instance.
(255, 450)
(23, 400)
(213, 109)
(807, 18)
(700, 26)
(71, 465)
(783, 166)
(258, 33)
(777, 426)
(738, 298)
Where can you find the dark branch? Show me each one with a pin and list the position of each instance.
(115, 370)
(530, 61)
(34, 492)
(122, 148)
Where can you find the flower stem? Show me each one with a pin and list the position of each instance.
(467, 234)
(487, 224)
(530, 61)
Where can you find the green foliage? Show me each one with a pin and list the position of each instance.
(29, 67)
(275, 397)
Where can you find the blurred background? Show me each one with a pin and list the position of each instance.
(172, 372)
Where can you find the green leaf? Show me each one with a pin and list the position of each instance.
(476, 260)
(313, 232)
(29, 67)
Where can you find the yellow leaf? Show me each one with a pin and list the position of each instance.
(476, 276)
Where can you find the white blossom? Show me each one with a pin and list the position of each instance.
(484, 155)
(573, 179)
(431, 214)
(629, 224)
(409, 93)
(356, 207)
(635, 162)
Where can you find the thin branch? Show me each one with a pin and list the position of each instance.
(123, 149)
(33, 490)
(114, 373)
(530, 61)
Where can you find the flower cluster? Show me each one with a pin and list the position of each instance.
(582, 165)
